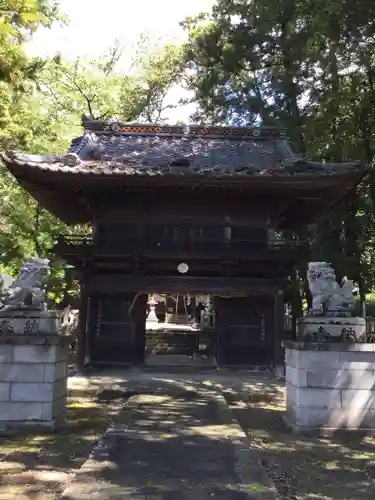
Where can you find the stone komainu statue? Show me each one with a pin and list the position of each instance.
(328, 297)
(26, 291)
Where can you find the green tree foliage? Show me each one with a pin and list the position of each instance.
(43, 114)
(18, 20)
(158, 71)
(308, 66)
(98, 89)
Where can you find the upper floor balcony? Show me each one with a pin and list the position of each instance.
(262, 249)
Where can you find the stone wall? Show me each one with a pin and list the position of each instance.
(33, 379)
(330, 386)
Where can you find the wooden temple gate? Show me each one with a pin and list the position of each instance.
(232, 204)
(245, 333)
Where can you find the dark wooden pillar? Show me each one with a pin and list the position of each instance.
(278, 350)
(82, 326)
(92, 325)
(138, 315)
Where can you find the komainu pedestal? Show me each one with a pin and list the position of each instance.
(33, 371)
(330, 386)
(330, 370)
(29, 322)
(331, 329)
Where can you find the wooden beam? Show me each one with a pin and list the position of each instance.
(270, 271)
(172, 217)
(207, 253)
(252, 182)
(310, 198)
(122, 283)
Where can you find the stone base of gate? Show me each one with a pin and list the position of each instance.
(330, 386)
(33, 380)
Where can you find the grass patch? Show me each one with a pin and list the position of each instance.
(39, 466)
(308, 468)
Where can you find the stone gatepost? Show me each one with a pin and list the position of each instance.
(330, 386)
(33, 369)
(330, 382)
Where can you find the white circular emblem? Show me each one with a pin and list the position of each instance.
(182, 268)
(256, 132)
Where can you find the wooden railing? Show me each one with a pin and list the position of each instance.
(87, 242)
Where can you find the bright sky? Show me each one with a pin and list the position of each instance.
(94, 25)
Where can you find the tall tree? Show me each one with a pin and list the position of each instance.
(45, 114)
(308, 66)
(18, 20)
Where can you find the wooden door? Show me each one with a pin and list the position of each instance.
(243, 328)
(120, 329)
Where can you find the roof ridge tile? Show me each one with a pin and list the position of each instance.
(190, 130)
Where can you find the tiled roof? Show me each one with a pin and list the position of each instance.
(113, 148)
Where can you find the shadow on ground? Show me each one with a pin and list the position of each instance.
(174, 443)
(316, 468)
(338, 468)
(173, 450)
(309, 468)
(37, 466)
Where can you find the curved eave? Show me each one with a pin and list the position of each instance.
(63, 203)
(59, 188)
(299, 172)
